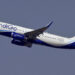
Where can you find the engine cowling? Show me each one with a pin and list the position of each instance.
(17, 36)
(20, 39)
(21, 43)
(18, 42)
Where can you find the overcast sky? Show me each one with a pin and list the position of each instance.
(38, 60)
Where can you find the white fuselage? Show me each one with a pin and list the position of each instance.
(47, 38)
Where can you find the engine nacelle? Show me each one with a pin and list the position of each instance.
(20, 39)
(21, 43)
(18, 42)
(17, 36)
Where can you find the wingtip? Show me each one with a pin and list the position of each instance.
(50, 24)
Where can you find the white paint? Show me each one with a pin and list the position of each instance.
(45, 37)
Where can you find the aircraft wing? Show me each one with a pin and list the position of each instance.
(35, 33)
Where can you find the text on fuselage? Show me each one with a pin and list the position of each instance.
(10, 27)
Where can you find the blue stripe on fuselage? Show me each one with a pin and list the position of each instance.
(37, 41)
(5, 33)
(69, 46)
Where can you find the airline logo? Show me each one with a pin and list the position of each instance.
(10, 27)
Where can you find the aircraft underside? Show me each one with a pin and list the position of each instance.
(29, 36)
(36, 41)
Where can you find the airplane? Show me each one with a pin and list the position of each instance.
(22, 36)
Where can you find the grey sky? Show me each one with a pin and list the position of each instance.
(38, 60)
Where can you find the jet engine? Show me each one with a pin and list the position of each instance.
(20, 39)
(21, 43)
(18, 42)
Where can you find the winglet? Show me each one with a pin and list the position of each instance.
(50, 24)
(35, 33)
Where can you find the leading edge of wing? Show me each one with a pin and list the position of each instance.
(35, 33)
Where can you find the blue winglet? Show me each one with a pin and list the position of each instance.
(50, 24)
